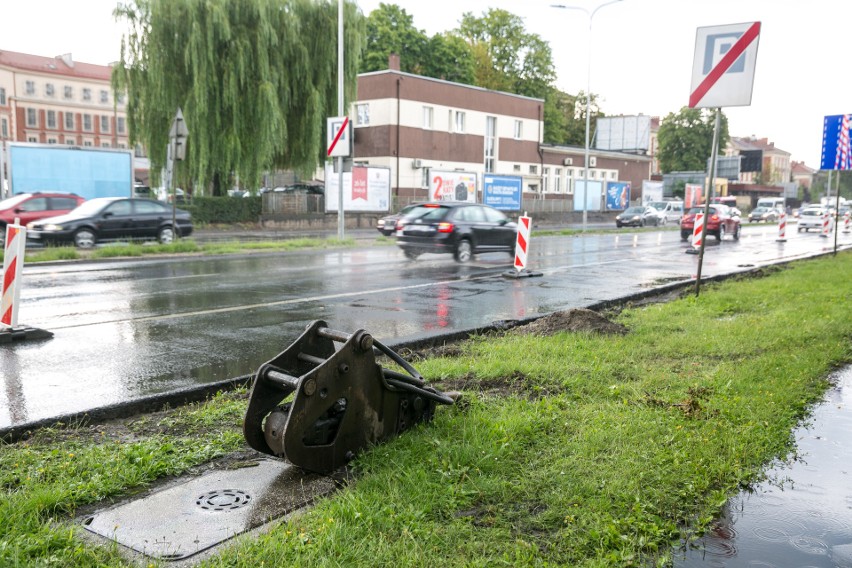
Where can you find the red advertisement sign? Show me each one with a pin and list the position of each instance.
(359, 183)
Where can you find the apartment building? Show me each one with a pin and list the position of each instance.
(56, 100)
(775, 162)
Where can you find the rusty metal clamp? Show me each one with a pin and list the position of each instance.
(342, 400)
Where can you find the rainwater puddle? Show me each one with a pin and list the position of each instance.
(805, 523)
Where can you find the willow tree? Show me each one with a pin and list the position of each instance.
(255, 80)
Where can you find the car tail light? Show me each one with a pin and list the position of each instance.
(398, 226)
(714, 217)
(431, 205)
(445, 227)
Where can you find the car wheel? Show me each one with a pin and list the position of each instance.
(801, 229)
(618, 225)
(85, 238)
(464, 250)
(737, 232)
(720, 234)
(166, 235)
(410, 254)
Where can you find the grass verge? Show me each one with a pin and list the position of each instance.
(569, 450)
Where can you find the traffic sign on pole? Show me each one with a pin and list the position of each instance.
(338, 136)
(723, 67)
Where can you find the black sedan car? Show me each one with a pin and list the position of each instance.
(640, 216)
(109, 219)
(460, 228)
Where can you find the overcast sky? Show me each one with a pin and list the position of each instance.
(642, 52)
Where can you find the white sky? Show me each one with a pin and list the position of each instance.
(641, 62)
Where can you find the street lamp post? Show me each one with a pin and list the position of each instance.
(591, 15)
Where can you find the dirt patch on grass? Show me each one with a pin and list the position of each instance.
(575, 320)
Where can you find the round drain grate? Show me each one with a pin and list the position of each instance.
(223, 500)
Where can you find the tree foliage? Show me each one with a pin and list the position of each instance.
(255, 80)
(686, 139)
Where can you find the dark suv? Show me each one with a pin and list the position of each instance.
(460, 228)
(29, 207)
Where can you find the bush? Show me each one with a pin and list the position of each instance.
(226, 210)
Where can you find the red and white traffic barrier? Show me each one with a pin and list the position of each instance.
(13, 265)
(522, 243)
(826, 225)
(697, 229)
(782, 227)
(847, 222)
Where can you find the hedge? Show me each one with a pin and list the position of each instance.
(224, 210)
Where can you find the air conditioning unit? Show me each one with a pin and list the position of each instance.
(568, 162)
(593, 161)
(415, 164)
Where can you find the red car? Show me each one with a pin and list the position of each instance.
(721, 221)
(29, 207)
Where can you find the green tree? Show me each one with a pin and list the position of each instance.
(255, 79)
(686, 139)
(390, 29)
(450, 58)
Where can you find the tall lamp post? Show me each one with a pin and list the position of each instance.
(591, 15)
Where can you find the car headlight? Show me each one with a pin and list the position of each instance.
(52, 227)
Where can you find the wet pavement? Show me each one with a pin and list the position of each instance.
(802, 516)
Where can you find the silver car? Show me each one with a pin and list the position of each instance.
(811, 218)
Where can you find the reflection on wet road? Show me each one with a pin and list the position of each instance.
(133, 328)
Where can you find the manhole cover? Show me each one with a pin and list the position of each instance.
(223, 500)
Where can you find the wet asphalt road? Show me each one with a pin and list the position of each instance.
(128, 329)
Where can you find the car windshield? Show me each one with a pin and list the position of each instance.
(695, 210)
(428, 212)
(14, 200)
(635, 211)
(660, 205)
(812, 212)
(92, 206)
(760, 210)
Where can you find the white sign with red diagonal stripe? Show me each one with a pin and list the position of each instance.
(523, 242)
(13, 265)
(338, 137)
(723, 68)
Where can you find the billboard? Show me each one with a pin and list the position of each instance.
(623, 133)
(836, 154)
(593, 195)
(502, 192)
(364, 189)
(651, 191)
(617, 195)
(452, 186)
(692, 195)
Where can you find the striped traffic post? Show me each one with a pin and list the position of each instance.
(782, 227)
(697, 229)
(847, 222)
(826, 225)
(522, 244)
(13, 265)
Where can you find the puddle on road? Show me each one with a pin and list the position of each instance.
(807, 522)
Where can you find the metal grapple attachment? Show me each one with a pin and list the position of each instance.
(343, 401)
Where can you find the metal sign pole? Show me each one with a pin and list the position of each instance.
(836, 215)
(707, 196)
(340, 214)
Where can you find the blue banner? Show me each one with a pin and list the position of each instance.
(836, 151)
(617, 196)
(502, 192)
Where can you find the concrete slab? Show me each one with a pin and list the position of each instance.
(198, 514)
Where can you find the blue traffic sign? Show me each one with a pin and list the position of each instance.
(836, 151)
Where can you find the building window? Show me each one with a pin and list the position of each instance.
(519, 129)
(557, 180)
(533, 170)
(613, 176)
(490, 143)
(428, 117)
(87, 122)
(545, 179)
(459, 122)
(122, 145)
(70, 141)
(87, 94)
(104, 97)
(104, 144)
(49, 91)
(87, 142)
(2, 96)
(138, 151)
(51, 140)
(32, 139)
(104, 124)
(121, 124)
(29, 87)
(4, 128)
(362, 113)
(69, 92)
(51, 119)
(32, 117)
(120, 98)
(69, 121)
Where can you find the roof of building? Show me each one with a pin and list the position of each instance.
(799, 168)
(753, 143)
(62, 65)
(445, 82)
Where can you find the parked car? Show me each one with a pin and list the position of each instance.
(112, 218)
(387, 224)
(673, 210)
(29, 207)
(463, 229)
(301, 189)
(810, 218)
(639, 216)
(763, 214)
(721, 221)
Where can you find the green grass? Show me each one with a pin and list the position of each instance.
(570, 450)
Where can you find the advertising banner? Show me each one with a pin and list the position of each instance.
(617, 196)
(364, 189)
(502, 192)
(593, 195)
(651, 191)
(452, 186)
(692, 195)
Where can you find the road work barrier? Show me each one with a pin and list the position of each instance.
(13, 265)
(697, 229)
(827, 225)
(522, 244)
(847, 222)
(782, 228)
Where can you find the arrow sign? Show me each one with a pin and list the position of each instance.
(723, 68)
